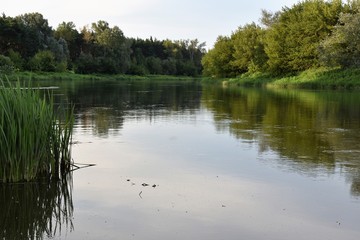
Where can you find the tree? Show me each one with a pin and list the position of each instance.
(106, 47)
(342, 48)
(217, 62)
(68, 32)
(34, 32)
(16, 59)
(249, 53)
(43, 61)
(6, 65)
(268, 18)
(292, 42)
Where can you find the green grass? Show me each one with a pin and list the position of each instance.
(26, 76)
(35, 138)
(321, 78)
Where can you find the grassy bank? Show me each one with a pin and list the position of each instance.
(72, 76)
(322, 78)
(35, 137)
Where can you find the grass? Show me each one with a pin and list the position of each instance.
(320, 78)
(35, 138)
(73, 76)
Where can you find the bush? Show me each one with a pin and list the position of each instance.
(16, 59)
(6, 65)
(43, 61)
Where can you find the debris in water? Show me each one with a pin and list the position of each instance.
(154, 186)
(145, 184)
(140, 194)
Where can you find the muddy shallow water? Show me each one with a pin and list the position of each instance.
(186, 161)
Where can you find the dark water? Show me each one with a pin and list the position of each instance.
(185, 161)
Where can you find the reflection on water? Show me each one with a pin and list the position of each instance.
(313, 133)
(35, 210)
(225, 162)
(101, 105)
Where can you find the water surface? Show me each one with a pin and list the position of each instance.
(178, 160)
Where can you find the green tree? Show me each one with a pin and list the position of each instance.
(217, 62)
(342, 48)
(6, 65)
(292, 42)
(249, 53)
(68, 32)
(34, 32)
(16, 59)
(43, 61)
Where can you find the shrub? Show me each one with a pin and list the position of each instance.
(43, 61)
(6, 65)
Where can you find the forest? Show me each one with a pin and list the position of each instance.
(28, 43)
(311, 34)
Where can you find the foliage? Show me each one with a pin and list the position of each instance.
(6, 65)
(249, 54)
(16, 59)
(307, 35)
(292, 42)
(217, 62)
(319, 78)
(34, 140)
(27, 39)
(43, 61)
(342, 48)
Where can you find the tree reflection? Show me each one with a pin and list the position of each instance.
(312, 132)
(35, 210)
(102, 106)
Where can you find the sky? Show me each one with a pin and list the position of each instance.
(204, 20)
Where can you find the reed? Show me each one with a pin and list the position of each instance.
(35, 138)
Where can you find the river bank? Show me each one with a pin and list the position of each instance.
(321, 78)
(39, 76)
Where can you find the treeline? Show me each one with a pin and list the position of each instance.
(27, 42)
(310, 34)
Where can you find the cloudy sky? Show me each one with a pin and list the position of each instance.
(161, 19)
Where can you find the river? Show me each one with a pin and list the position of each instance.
(182, 160)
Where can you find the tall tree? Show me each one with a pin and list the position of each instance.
(292, 42)
(217, 62)
(68, 32)
(342, 48)
(35, 30)
(249, 53)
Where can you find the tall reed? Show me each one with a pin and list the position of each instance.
(35, 139)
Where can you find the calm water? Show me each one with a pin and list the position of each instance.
(185, 161)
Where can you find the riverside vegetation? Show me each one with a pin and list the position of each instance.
(312, 44)
(35, 136)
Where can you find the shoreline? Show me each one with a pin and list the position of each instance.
(317, 79)
(320, 78)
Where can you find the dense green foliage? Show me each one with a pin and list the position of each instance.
(31, 44)
(34, 140)
(319, 78)
(308, 35)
